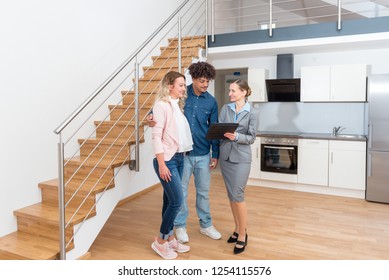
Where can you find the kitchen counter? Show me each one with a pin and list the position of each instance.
(329, 136)
(323, 136)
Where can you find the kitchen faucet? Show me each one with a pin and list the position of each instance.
(336, 130)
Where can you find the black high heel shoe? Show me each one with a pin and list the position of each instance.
(233, 238)
(238, 250)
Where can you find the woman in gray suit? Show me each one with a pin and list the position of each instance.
(235, 156)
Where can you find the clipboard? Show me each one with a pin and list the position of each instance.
(217, 130)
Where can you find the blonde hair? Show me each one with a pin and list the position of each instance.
(243, 86)
(164, 93)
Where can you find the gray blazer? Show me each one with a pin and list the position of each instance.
(240, 151)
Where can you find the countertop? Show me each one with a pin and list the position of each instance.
(303, 135)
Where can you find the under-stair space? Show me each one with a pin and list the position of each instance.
(92, 171)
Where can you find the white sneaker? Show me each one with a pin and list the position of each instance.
(211, 232)
(181, 235)
(164, 250)
(178, 247)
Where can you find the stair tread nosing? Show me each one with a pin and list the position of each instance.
(50, 213)
(91, 162)
(29, 246)
(74, 184)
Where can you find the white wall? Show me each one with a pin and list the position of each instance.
(53, 55)
(308, 117)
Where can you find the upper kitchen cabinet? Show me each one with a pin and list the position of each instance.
(315, 83)
(334, 83)
(256, 79)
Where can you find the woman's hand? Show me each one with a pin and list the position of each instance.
(164, 173)
(230, 136)
(150, 120)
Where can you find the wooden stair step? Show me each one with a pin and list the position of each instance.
(92, 162)
(74, 185)
(187, 46)
(173, 52)
(76, 193)
(109, 151)
(119, 123)
(151, 68)
(132, 122)
(50, 214)
(145, 99)
(124, 107)
(111, 123)
(114, 129)
(122, 113)
(168, 63)
(25, 246)
(188, 41)
(107, 141)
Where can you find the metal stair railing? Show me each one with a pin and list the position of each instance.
(241, 16)
(194, 16)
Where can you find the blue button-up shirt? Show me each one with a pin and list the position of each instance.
(201, 111)
(246, 107)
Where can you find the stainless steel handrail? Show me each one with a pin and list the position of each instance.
(66, 122)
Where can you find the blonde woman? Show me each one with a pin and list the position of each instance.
(171, 140)
(235, 156)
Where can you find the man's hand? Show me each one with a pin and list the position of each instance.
(213, 164)
(150, 121)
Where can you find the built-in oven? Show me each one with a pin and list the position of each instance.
(279, 154)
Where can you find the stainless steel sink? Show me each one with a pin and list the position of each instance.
(349, 136)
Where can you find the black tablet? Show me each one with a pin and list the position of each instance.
(217, 130)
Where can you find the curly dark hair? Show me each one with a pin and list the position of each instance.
(202, 69)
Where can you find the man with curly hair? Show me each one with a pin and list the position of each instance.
(200, 110)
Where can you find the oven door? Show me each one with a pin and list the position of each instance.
(279, 158)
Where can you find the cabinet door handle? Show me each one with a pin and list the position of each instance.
(369, 135)
(368, 164)
(332, 157)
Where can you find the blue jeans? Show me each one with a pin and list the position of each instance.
(172, 193)
(199, 166)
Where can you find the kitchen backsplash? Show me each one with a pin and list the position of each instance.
(312, 117)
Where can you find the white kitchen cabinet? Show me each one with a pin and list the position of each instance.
(255, 171)
(313, 162)
(315, 83)
(257, 80)
(347, 164)
(334, 83)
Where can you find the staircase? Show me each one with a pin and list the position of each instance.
(92, 171)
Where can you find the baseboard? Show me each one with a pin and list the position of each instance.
(135, 195)
(86, 256)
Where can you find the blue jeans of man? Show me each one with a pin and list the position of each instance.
(172, 193)
(199, 167)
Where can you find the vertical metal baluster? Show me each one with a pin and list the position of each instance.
(206, 28)
(271, 18)
(179, 45)
(212, 21)
(61, 199)
(339, 14)
(136, 114)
